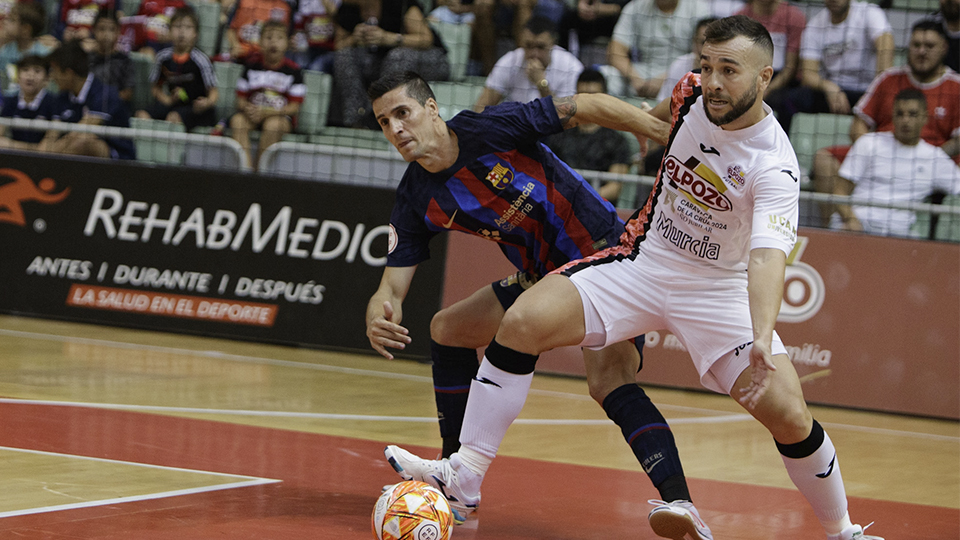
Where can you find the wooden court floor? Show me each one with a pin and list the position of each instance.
(110, 433)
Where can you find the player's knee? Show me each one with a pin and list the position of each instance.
(794, 421)
(522, 330)
(440, 328)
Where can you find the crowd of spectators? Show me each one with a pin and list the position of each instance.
(839, 59)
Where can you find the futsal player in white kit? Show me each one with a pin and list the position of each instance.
(704, 259)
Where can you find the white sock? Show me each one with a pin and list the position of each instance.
(826, 495)
(492, 406)
(474, 461)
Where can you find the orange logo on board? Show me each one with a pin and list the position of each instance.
(21, 190)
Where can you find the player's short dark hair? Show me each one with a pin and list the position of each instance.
(107, 14)
(71, 56)
(33, 15)
(929, 25)
(274, 23)
(411, 81)
(539, 24)
(727, 28)
(33, 60)
(911, 94)
(590, 75)
(185, 12)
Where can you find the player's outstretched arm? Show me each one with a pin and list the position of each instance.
(384, 311)
(612, 113)
(765, 290)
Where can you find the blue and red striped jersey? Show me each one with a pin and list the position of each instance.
(507, 187)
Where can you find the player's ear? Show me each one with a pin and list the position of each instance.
(764, 77)
(432, 107)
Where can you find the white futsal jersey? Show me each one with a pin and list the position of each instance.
(719, 193)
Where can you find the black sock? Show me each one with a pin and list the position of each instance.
(650, 438)
(453, 369)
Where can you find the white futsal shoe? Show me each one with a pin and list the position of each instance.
(443, 474)
(853, 532)
(678, 520)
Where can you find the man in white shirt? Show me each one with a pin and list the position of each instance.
(657, 31)
(844, 46)
(895, 167)
(539, 68)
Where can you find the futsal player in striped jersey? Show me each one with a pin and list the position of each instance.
(487, 174)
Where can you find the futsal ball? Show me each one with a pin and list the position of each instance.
(412, 510)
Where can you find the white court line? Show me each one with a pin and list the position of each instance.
(719, 416)
(247, 481)
(728, 418)
(331, 416)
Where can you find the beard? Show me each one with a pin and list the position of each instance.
(740, 107)
(926, 74)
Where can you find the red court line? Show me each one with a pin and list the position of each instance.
(331, 483)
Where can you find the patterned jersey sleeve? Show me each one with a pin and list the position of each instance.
(688, 87)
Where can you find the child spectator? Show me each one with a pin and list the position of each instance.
(25, 22)
(246, 22)
(84, 99)
(31, 102)
(313, 34)
(111, 66)
(77, 18)
(269, 92)
(184, 81)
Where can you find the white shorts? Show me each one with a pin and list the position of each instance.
(710, 316)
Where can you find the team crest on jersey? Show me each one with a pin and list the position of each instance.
(735, 175)
(500, 176)
(698, 183)
(392, 239)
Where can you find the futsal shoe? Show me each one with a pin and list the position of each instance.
(853, 532)
(447, 475)
(678, 520)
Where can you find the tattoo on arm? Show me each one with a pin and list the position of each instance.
(566, 108)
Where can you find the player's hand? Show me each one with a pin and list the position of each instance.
(761, 364)
(383, 333)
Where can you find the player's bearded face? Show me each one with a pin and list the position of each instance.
(738, 107)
